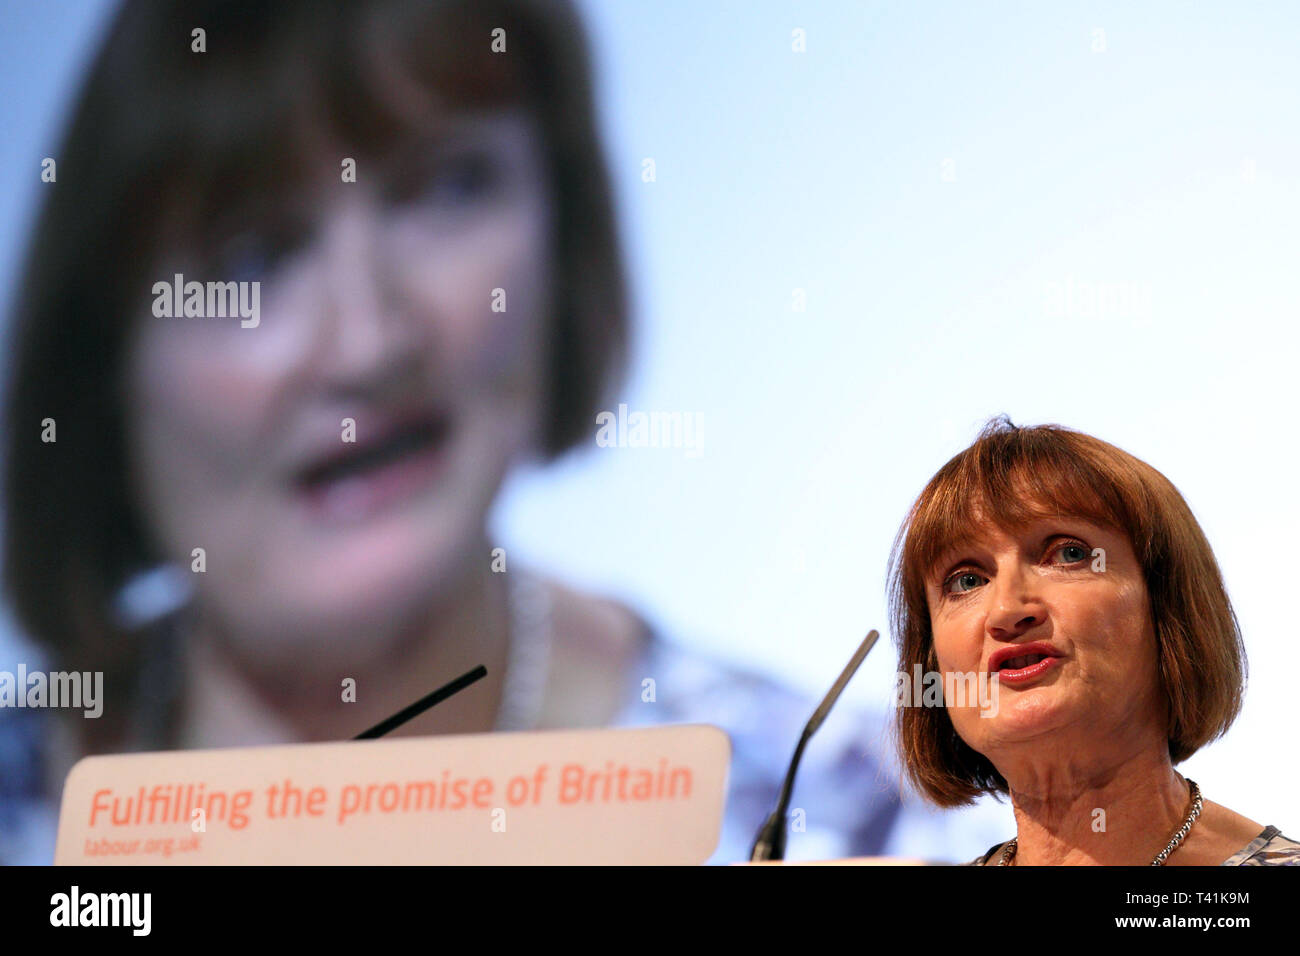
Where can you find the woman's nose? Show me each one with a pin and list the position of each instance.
(363, 331)
(1015, 603)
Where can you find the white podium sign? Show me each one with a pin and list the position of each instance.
(633, 796)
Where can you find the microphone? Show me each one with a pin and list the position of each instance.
(770, 842)
(423, 704)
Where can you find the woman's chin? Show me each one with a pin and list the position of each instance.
(342, 614)
(1023, 719)
(326, 639)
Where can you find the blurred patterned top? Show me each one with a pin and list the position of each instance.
(1270, 848)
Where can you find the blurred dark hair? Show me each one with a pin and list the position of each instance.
(1014, 475)
(166, 144)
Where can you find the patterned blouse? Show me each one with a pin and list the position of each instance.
(1270, 848)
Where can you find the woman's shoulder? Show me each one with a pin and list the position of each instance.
(677, 683)
(27, 811)
(849, 762)
(1270, 848)
(593, 641)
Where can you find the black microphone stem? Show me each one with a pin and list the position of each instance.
(770, 842)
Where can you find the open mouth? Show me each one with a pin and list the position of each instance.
(1020, 663)
(362, 478)
(1024, 664)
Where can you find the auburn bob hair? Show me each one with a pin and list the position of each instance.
(1014, 475)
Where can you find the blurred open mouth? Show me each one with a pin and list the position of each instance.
(364, 478)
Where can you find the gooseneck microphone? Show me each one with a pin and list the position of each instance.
(423, 704)
(770, 842)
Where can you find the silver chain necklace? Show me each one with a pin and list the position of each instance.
(1010, 851)
(528, 657)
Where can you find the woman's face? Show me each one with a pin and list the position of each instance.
(336, 460)
(1076, 587)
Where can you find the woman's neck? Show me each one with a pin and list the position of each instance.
(229, 703)
(1120, 813)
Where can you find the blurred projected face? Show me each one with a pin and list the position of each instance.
(1069, 637)
(337, 460)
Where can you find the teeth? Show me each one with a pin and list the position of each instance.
(1016, 663)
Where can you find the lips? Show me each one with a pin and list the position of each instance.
(1023, 662)
(359, 458)
(356, 480)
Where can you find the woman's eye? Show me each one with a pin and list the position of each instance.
(450, 180)
(962, 582)
(462, 179)
(252, 257)
(1072, 553)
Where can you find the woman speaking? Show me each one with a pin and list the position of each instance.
(238, 515)
(1073, 577)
